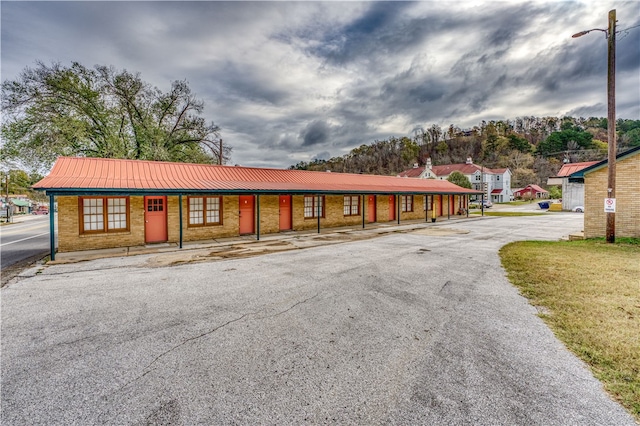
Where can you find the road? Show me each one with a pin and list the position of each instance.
(21, 242)
(417, 327)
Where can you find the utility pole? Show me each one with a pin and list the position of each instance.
(7, 203)
(611, 124)
(610, 34)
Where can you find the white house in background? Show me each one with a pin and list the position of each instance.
(572, 189)
(495, 182)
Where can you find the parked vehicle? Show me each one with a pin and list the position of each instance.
(478, 204)
(578, 209)
(41, 210)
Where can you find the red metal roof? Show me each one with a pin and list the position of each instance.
(496, 191)
(78, 174)
(412, 173)
(447, 169)
(570, 168)
(529, 188)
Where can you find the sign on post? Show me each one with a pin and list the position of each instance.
(609, 205)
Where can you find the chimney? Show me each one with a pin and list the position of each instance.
(469, 161)
(428, 163)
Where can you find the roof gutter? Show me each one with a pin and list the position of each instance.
(120, 191)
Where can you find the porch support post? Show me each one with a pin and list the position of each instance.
(448, 206)
(433, 208)
(318, 210)
(363, 208)
(426, 208)
(258, 217)
(52, 226)
(180, 207)
(398, 200)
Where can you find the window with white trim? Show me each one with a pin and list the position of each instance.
(313, 204)
(205, 211)
(407, 203)
(427, 202)
(351, 205)
(103, 214)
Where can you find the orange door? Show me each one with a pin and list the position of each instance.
(392, 207)
(247, 219)
(285, 212)
(371, 209)
(155, 219)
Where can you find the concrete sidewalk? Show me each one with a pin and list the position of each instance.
(244, 246)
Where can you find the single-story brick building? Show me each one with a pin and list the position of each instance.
(627, 215)
(107, 203)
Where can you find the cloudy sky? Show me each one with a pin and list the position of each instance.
(292, 81)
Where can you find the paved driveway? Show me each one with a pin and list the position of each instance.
(410, 328)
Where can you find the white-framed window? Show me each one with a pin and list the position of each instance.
(205, 211)
(103, 214)
(351, 205)
(312, 205)
(428, 199)
(407, 203)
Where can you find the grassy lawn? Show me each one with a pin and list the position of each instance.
(488, 213)
(520, 202)
(590, 293)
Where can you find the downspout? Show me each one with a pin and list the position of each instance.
(52, 226)
(180, 216)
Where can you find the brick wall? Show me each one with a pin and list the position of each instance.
(70, 239)
(627, 200)
(229, 227)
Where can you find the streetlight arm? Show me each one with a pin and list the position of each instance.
(581, 33)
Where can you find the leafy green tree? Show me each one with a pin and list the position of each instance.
(558, 141)
(56, 110)
(555, 192)
(459, 179)
(20, 182)
(631, 138)
(519, 143)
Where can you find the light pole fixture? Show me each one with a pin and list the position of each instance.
(610, 34)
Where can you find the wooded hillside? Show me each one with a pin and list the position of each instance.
(533, 148)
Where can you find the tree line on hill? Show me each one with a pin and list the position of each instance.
(533, 148)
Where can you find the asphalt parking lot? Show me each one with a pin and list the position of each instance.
(418, 326)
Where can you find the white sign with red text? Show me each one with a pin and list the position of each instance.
(609, 205)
